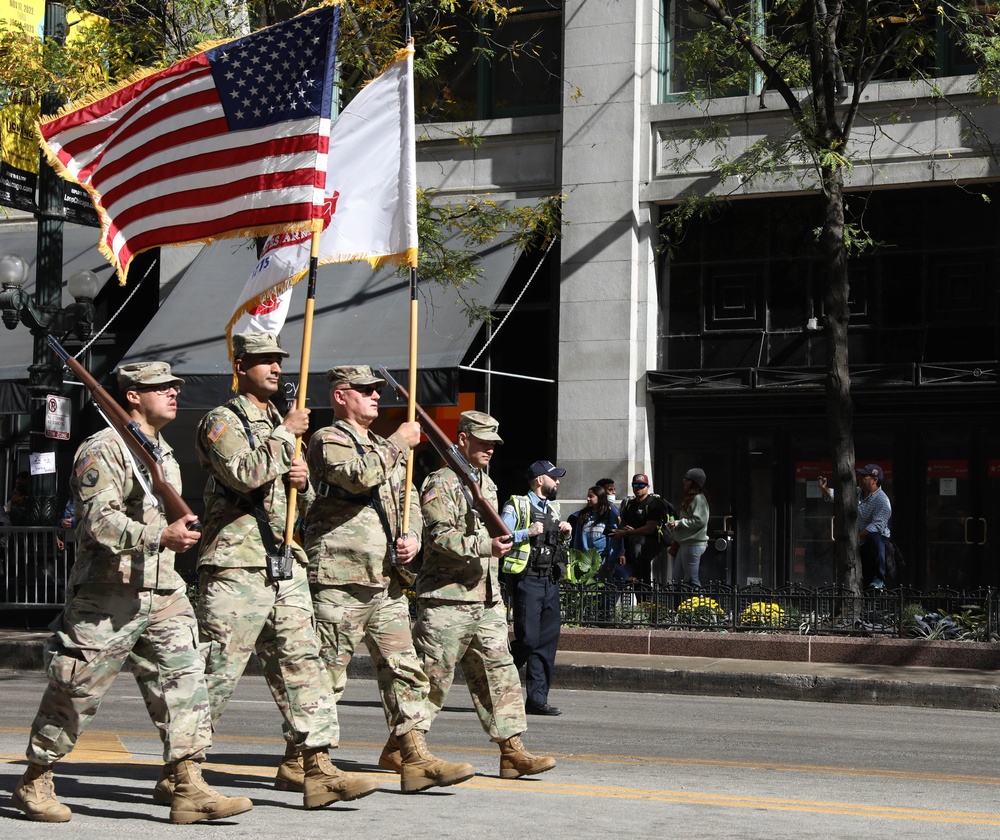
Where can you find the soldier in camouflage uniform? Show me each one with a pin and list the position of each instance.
(357, 559)
(247, 448)
(123, 596)
(461, 617)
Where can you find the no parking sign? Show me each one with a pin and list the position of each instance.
(57, 417)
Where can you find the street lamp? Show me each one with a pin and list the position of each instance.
(17, 306)
(44, 377)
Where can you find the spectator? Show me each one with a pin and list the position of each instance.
(691, 529)
(874, 512)
(592, 528)
(640, 522)
(66, 522)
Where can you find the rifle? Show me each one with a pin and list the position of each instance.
(141, 446)
(495, 526)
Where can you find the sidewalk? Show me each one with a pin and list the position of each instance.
(971, 689)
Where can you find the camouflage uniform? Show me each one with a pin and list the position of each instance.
(240, 610)
(124, 596)
(357, 592)
(461, 617)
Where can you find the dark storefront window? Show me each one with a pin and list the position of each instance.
(514, 69)
(743, 366)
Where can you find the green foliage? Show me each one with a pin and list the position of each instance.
(582, 566)
(450, 231)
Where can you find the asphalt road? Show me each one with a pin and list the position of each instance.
(643, 765)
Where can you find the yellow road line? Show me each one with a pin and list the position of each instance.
(687, 797)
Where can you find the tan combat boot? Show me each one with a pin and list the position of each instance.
(163, 793)
(290, 775)
(35, 794)
(326, 783)
(422, 770)
(390, 758)
(516, 761)
(195, 800)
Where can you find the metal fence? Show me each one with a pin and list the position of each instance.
(35, 570)
(34, 567)
(904, 613)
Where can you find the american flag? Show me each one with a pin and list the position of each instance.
(230, 142)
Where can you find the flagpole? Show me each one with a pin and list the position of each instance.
(300, 398)
(411, 408)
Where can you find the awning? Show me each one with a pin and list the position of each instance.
(16, 346)
(361, 317)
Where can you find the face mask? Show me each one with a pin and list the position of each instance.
(611, 497)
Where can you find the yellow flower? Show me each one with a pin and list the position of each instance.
(763, 612)
(701, 604)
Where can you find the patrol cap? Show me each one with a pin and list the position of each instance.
(141, 375)
(545, 468)
(479, 424)
(256, 343)
(874, 470)
(353, 375)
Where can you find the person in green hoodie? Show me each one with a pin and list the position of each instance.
(690, 529)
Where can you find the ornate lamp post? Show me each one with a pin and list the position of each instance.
(44, 376)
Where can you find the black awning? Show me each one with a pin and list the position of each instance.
(361, 316)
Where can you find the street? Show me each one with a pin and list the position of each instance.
(643, 765)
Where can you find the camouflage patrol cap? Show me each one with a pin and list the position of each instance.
(256, 344)
(479, 424)
(353, 375)
(141, 375)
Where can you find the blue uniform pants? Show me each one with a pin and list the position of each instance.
(535, 603)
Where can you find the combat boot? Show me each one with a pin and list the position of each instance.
(195, 800)
(35, 794)
(290, 775)
(516, 761)
(163, 793)
(422, 770)
(390, 758)
(326, 783)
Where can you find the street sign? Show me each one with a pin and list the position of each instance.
(57, 413)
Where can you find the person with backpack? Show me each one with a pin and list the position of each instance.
(641, 516)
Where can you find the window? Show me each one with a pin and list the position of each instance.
(523, 75)
(682, 22)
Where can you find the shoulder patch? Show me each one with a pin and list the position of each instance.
(216, 431)
(429, 496)
(336, 437)
(90, 478)
(84, 464)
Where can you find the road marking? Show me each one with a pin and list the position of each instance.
(107, 749)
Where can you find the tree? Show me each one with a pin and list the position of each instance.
(137, 36)
(819, 57)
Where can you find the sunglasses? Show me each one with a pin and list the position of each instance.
(367, 390)
(161, 390)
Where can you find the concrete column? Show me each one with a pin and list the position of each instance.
(608, 301)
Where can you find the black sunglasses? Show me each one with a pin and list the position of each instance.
(367, 390)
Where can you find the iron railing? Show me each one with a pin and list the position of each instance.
(33, 567)
(903, 613)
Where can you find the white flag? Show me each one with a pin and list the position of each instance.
(370, 211)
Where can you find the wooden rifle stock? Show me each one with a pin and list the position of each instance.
(141, 446)
(495, 526)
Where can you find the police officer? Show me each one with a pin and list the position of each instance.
(247, 603)
(533, 569)
(460, 615)
(124, 596)
(358, 559)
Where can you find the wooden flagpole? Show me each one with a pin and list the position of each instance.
(411, 408)
(300, 397)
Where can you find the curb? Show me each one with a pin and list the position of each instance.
(807, 687)
(27, 656)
